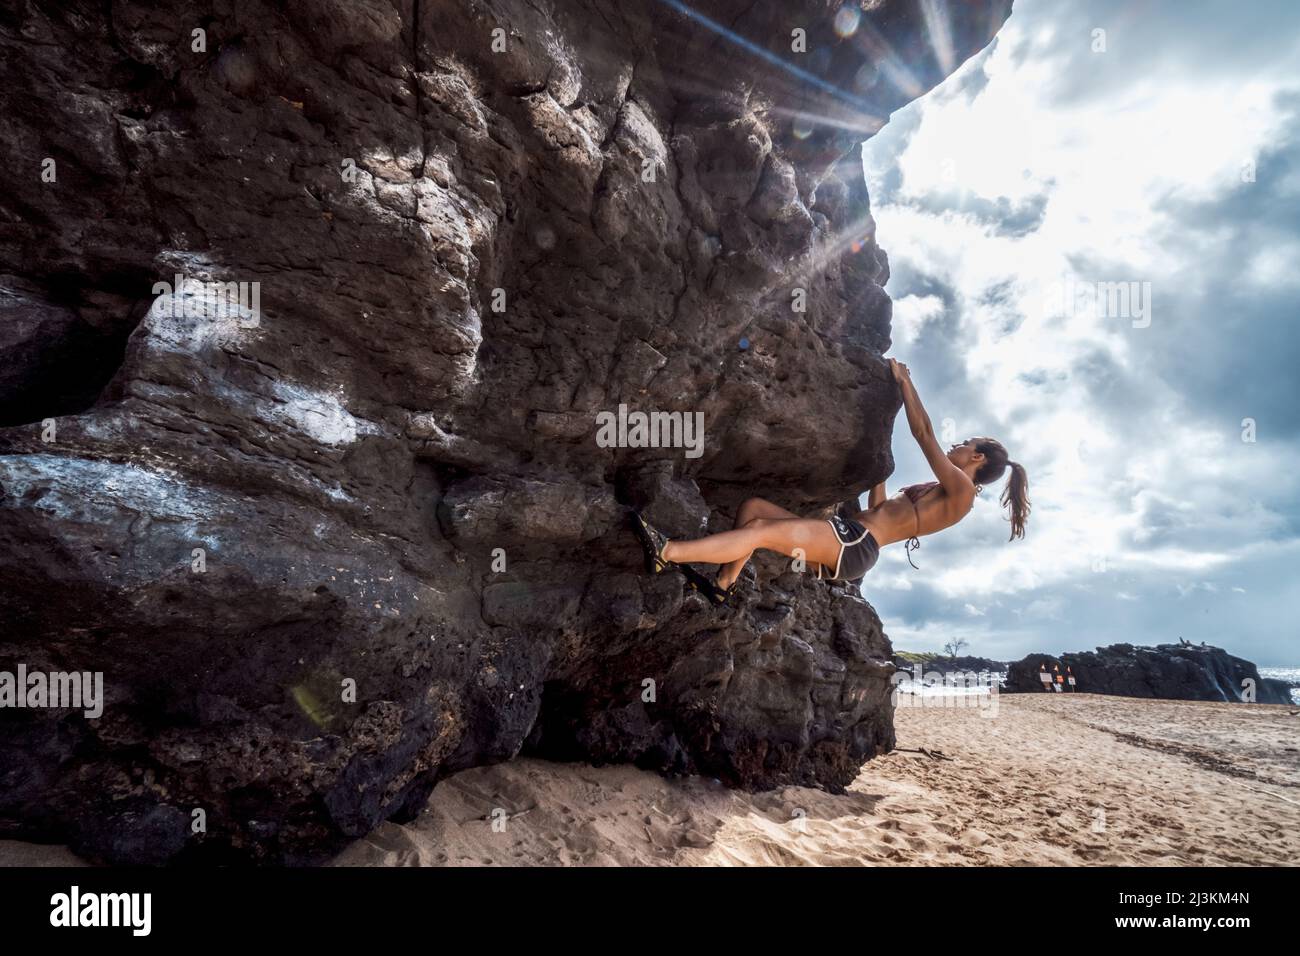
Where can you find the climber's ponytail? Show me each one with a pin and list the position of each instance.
(1015, 497)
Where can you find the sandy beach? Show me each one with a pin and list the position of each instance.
(1074, 779)
(1050, 780)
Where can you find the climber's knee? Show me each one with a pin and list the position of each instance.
(759, 531)
(760, 508)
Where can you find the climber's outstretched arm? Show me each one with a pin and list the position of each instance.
(953, 479)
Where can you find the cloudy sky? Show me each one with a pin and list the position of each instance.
(1045, 166)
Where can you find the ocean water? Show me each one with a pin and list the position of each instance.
(976, 687)
(1290, 674)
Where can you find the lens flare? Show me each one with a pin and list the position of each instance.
(812, 79)
(846, 21)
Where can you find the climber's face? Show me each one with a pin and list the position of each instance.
(965, 454)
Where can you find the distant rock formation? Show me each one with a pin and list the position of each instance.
(1168, 671)
(329, 546)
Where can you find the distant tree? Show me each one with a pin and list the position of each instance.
(955, 646)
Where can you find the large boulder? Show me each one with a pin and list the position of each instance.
(1169, 671)
(309, 312)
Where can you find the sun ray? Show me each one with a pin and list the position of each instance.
(937, 29)
(767, 55)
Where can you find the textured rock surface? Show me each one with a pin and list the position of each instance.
(464, 255)
(1168, 671)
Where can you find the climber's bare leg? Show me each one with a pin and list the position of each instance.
(751, 509)
(809, 538)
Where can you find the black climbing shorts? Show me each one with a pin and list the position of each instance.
(858, 551)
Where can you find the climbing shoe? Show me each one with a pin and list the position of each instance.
(652, 543)
(715, 593)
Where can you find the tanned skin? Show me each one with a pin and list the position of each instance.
(761, 524)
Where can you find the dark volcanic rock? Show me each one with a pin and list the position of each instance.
(334, 544)
(1168, 671)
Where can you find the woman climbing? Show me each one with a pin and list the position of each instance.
(846, 547)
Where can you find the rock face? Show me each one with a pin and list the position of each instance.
(1167, 671)
(346, 528)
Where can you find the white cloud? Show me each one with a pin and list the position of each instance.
(1124, 476)
(911, 312)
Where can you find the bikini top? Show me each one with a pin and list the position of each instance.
(914, 492)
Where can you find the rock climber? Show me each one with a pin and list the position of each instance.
(846, 547)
